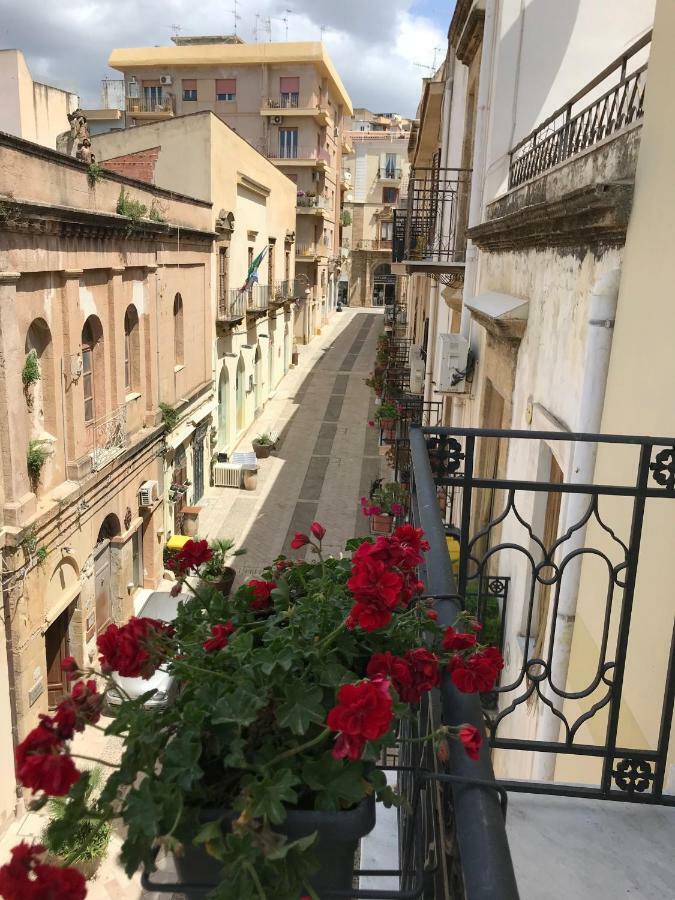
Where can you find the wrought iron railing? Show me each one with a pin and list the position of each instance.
(258, 297)
(291, 101)
(108, 437)
(291, 153)
(232, 306)
(389, 174)
(571, 550)
(569, 130)
(437, 215)
(398, 243)
(165, 104)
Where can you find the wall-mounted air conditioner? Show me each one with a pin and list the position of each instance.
(454, 356)
(277, 120)
(166, 80)
(148, 494)
(417, 370)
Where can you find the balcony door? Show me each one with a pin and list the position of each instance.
(288, 143)
(390, 165)
(56, 649)
(289, 90)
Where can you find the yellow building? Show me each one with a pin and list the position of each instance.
(288, 101)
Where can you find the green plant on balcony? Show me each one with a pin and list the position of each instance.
(376, 382)
(35, 460)
(170, 416)
(346, 218)
(133, 210)
(388, 411)
(155, 214)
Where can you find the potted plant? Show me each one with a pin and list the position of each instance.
(386, 503)
(263, 445)
(214, 572)
(376, 382)
(262, 775)
(387, 415)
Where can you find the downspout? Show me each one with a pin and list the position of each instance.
(601, 315)
(431, 342)
(479, 158)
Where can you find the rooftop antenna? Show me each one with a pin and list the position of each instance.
(235, 15)
(256, 27)
(432, 68)
(268, 28)
(323, 31)
(287, 13)
(176, 30)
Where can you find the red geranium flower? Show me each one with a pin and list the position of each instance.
(220, 637)
(192, 555)
(348, 747)
(300, 540)
(394, 667)
(363, 710)
(47, 883)
(318, 531)
(471, 739)
(82, 708)
(456, 640)
(135, 649)
(261, 593)
(477, 673)
(69, 665)
(424, 670)
(41, 765)
(432, 614)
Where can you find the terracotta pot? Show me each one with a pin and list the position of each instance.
(250, 478)
(262, 451)
(383, 524)
(224, 584)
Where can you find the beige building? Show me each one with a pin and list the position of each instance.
(364, 120)
(375, 175)
(105, 321)
(287, 100)
(252, 209)
(31, 110)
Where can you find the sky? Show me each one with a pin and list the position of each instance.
(378, 46)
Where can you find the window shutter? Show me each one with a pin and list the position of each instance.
(383, 161)
(226, 85)
(189, 84)
(289, 85)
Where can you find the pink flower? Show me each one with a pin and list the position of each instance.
(371, 424)
(300, 540)
(318, 531)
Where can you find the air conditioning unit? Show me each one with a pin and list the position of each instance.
(166, 80)
(277, 120)
(454, 356)
(227, 475)
(148, 494)
(417, 371)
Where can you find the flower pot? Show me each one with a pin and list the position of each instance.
(250, 479)
(338, 835)
(382, 524)
(224, 584)
(262, 451)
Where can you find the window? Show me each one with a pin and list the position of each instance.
(178, 330)
(390, 167)
(222, 279)
(152, 95)
(287, 266)
(226, 89)
(288, 143)
(131, 350)
(270, 263)
(390, 195)
(289, 89)
(386, 231)
(93, 388)
(189, 89)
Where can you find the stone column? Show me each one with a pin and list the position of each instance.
(19, 500)
(114, 339)
(78, 463)
(150, 347)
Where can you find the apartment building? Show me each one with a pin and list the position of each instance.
(106, 325)
(288, 101)
(365, 120)
(375, 175)
(252, 210)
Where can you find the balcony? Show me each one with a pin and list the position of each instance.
(291, 106)
(109, 437)
(302, 156)
(287, 290)
(317, 206)
(143, 108)
(258, 298)
(434, 224)
(373, 244)
(311, 250)
(389, 174)
(571, 130)
(231, 306)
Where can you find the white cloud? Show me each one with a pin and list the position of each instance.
(374, 43)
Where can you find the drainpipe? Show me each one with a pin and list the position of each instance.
(601, 316)
(479, 158)
(431, 342)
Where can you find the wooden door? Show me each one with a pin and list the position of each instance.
(56, 648)
(102, 586)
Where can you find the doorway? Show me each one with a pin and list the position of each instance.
(178, 485)
(258, 378)
(56, 649)
(223, 407)
(198, 464)
(109, 529)
(240, 394)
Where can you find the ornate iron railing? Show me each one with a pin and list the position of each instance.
(389, 174)
(233, 305)
(567, 131)
(571, 550)
(258, 297)
(398, 243)
(108, 437)
(437, 215)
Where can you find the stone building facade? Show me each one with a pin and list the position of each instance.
(105, 320)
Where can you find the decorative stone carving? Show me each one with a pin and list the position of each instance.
(84, 152)
(70, 142)
(225, 222)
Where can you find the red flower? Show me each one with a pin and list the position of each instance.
(82, 708)
(471, 739)
(318, 531)
(69, 664)
(261, 593)
(348, 747)
(456, 640)
(368, 616)
(372, 581)
(220, 637)
(40, 764)
(394, 667)
(364, 711)
(371, 423)
(136, 648)
(192, 555)
(477, 673)
(432, 614)
(300, 540)
(425, 672)
(48, 883)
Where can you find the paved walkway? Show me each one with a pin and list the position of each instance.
(326, 459)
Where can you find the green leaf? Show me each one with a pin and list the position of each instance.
(337, 784)
(300, 846)
(240, 706)
(302, 706)
(354, 543)
(180, 759)
(268, 795)
(212, 831)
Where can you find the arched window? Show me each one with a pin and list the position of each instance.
(131, 350)
(40, 393)
(178, 330)
(93, 384)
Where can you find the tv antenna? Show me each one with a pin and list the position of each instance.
(256, 27)
(432, 68)
(323, 31)
(176, 30)
(235, 15)
(283, 19)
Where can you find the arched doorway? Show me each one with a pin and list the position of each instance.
(240, 393)
(110, 528)
(384, 285)
(223, 407)
(258, 369)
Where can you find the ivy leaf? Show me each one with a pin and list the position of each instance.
(302, 706)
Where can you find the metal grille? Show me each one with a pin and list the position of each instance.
(438, 208)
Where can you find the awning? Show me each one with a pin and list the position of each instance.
(503, 315)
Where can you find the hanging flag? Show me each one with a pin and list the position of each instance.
(252, 276)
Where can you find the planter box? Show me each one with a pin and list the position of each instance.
(224, 586)
(383, 524)
(339, 834)
(262, 451)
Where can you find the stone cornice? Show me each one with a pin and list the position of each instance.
(459, 17)
(472, 37)
(65, 222)
(588, 216)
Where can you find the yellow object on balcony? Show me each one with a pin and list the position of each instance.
(453, 552)
(177, 541)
